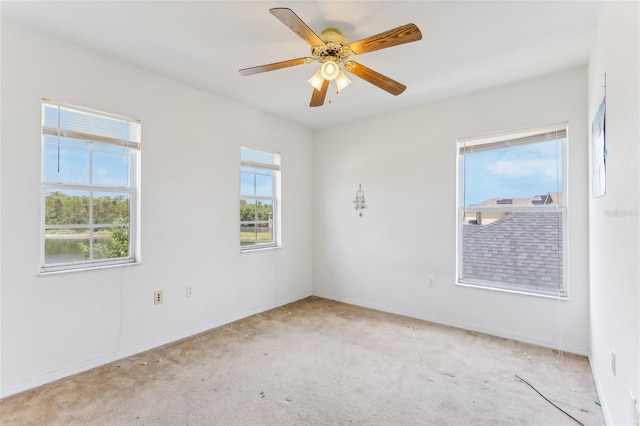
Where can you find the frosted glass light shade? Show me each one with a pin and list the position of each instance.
(342, 81)
(316, 80)
(329, 70)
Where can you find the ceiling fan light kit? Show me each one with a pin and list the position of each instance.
(333, 50)
(316, 80)
(329, 70)
(342, 81)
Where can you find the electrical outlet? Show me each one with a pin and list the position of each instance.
(157, 297)
(432, 282)
(613, 362)
(189, 291)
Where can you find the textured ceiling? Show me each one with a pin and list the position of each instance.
(466, 46)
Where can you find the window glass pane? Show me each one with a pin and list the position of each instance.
(110, 169)
(52, 140)
(514, 175)
(265, 210)
(74, 164)
(265, 222)
(247, 210)
(110, 148)
(248, 235)
(522, 248)
(264, 184)
(110, 207)
(256, 226)
(264, 235)
(66, 207)
(247, 183)
(111, 243)
(66, 245)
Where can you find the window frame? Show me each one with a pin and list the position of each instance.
(275, 172)
(500, 140)
(95, 143)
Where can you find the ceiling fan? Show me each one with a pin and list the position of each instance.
(333, 51)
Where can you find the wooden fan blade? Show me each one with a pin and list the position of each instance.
(375, 78)
(291, 20)
(317, 97)
(274, 66)
(404, 34)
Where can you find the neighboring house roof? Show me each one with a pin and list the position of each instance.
(523, 248)
(546, 199)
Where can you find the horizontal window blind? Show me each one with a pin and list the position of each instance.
(258, 158)
(70, 122)
(260, 165)
(493, 142)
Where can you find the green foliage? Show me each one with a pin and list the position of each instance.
(115, 245)
(119, 242)
(110, 210)
(64, 209)
(255, 212)
(247, 211)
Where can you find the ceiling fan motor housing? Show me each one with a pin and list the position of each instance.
(336, 47)
(333, 34)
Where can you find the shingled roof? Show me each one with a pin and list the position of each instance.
(522, 248)
(549, 198)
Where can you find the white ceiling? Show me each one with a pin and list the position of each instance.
(466, 46)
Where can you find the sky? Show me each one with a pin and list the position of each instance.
(257, 181)
(110, 165)
(72, 161)
(521, 171)
(513, 172)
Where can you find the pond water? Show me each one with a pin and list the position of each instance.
(58, 250)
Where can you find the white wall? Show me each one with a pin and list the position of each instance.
(406, 163)
(56, 325)
(614, 218)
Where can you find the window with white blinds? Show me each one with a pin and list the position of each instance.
(512, 211)
(259, 198)
(89, 187)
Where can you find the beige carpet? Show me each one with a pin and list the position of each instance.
(319, 362)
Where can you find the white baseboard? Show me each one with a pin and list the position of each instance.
(33, 382)
(599, 390)
(578, 350)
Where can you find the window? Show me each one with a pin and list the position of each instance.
(511, 211)
(89, 163)
(259, 198)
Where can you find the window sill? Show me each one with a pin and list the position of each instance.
(56, 271)
(257, 249)
(522, 291)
